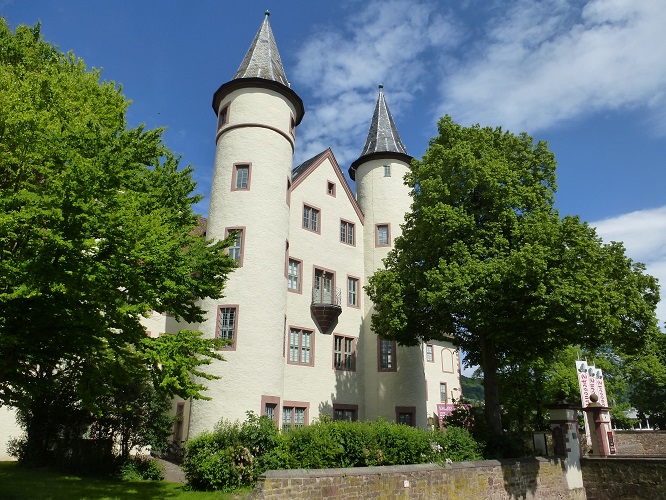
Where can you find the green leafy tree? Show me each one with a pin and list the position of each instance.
(486, 261)
(96, 231)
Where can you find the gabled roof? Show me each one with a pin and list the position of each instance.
(301, 172)
(262, 59)
(383, 139)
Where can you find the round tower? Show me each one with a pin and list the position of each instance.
(394, 377)
(257, 114)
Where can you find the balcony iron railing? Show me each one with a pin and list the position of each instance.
(327, 297)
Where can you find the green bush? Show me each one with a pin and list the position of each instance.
(455, 444)
(140, 469)
(235, 454)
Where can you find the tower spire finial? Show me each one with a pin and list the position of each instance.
(267, 12)
(262, 60)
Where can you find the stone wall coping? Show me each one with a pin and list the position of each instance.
(628, 459)
(401, 469)
(638, 431)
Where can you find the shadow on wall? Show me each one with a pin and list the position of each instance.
(345, 396)
(521, 477)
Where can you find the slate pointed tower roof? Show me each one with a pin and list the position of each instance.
(261, 68)
(263, 59)
(383, 139)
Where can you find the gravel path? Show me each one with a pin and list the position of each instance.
(172, 472)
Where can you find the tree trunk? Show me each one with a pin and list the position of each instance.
(491, 410)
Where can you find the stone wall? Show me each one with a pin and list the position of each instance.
(623, 477)
(531, 478)
(646, 443)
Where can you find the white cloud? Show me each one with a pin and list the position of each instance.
(540, 63)
(383, 42)
(644, 236)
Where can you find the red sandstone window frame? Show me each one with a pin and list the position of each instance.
(293, 405)
(271, 400)
(445, 393)
(292, 125)
(343, 352)
(223, 115)
(308, 223)
(227, 232)
(234, 339)
(330, 188)
(299, 277)
(387, 225)
(300, 348)
(406, 410)
(234, 176)
(344, 233)
(324, 271)
(356, 280)
(392, 364)
(345, 408)
(430, 353)
(451, 353)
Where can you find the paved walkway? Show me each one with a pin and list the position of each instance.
(172, 472)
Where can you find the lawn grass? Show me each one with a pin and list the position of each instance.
(17, 483)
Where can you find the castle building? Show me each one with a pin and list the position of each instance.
(295, 311)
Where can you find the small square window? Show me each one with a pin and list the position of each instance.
(382, 235)
(311, 218)
(387, 170)
(347, 232)
(330, 188)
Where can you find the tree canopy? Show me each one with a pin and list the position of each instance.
(96, 231)
(486, 261)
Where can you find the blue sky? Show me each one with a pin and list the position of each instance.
(587, 76)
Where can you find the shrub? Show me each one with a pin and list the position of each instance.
(141, 468)
(234, 454)
(455, 444)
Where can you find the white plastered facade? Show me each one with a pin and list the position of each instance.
(263, 371)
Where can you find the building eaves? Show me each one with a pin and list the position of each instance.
(300, 173)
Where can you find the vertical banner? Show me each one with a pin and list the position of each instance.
(600, 387)
(583, 383)
(581, 369)
(591, 381)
